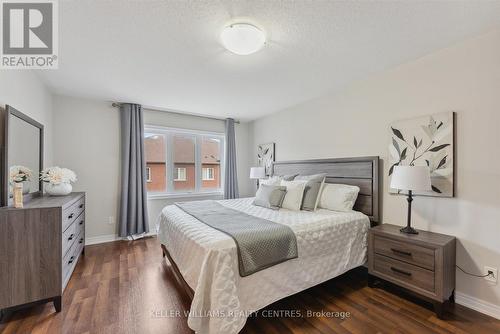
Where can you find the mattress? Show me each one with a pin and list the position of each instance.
(329, 244)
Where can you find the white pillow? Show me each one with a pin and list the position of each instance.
(338, 197)
(294, 194)
(272, 181)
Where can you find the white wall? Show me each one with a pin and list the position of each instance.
(87, 140)
(24, 91)
(464, 78)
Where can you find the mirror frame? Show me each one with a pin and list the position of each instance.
(9, 110)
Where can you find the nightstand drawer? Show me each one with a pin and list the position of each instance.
(404, 272)
(410, 253)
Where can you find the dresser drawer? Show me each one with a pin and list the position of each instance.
(70, 214)
(404, 272)
(69, 237)
(80, 239)
(68, 261)
(80, 224)
(410, 253)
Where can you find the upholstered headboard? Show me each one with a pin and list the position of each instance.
(362, 172)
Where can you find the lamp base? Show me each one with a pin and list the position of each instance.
(408, 230)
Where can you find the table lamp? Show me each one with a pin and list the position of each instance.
(257, 173)
(411, 178)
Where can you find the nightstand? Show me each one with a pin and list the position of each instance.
(423, 263)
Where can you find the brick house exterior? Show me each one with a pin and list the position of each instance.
(184, 163)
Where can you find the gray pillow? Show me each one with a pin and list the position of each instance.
(311, 192)
(270, 197)
(289, 177)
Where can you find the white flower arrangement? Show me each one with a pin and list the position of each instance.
(57, 175)
(19, 174)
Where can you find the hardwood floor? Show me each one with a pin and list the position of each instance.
(117, 288)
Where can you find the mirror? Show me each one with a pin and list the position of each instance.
(23, 142)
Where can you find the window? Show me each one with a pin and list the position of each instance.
(180, 174)
(155, 146)
(208, 174)
(211, 156)
(183, 161)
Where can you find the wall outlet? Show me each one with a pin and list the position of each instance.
(111, 220)
(492, 277)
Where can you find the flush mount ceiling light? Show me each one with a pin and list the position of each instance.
(242, 38)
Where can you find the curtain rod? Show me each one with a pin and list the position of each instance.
(117, 105)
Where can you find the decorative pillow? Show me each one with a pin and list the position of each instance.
(289, 177)
(312, 190)
(338, 197)
(276, 179)
(272, 181)
(270, 196)
(294, 194)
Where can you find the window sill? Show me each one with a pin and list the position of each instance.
(185, 195)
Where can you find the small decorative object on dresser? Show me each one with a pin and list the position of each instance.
(422, 263)
(39, 248)
(20, 175)
(411, 178)
(58, 180)
(18, 195)
(257, 173)
(19, 183)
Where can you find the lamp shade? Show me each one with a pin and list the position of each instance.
(415, 178)
(257, 172)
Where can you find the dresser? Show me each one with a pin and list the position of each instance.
(40, 245)
(423, 263)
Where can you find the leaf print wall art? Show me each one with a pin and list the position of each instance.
(425, 141)
(265, 156)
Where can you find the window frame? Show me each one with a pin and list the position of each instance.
(197, 135)
(184, 179)
(209, 178)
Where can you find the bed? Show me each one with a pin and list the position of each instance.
(329, 244)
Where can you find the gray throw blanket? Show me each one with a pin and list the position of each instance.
(260, 243)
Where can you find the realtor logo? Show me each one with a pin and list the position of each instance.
(29, 34)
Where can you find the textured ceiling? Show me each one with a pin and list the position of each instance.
(167, 54)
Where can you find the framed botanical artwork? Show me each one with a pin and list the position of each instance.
(426, 141)
(265, 156)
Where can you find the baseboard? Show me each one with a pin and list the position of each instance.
(478, 305)
(100, 239)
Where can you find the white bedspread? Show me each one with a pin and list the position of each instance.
(329, 244)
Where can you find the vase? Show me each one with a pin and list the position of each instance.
(60, 189)
(26, 187)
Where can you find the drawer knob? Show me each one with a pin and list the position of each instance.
(81, 206)
(401, 252)
(71, 259)
(399, 271)
(81, 240)
(80, 223)
(70, 216)
(71, 236)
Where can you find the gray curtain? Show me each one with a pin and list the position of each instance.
(133, 202)
(231, 177)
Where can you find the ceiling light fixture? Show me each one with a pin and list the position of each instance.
(242, 38)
